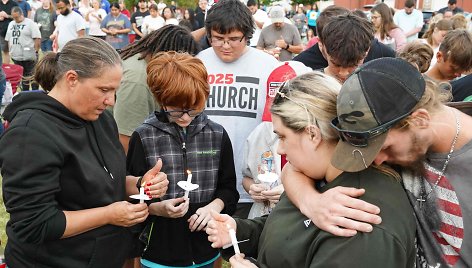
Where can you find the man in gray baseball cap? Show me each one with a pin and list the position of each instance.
(373, 99)
(387, 105)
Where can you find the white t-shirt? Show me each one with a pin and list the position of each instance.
(260, 16)
(237, 98)
(172, 21)
(95, 29)
(409, 22)
(20, 37)
(151, 24)
(67, 28)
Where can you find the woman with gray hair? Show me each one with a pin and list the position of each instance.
(63, 167)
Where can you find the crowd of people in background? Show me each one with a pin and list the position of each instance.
(285, 116)
(120, 26)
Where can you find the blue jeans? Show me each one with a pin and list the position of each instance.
(46, 45)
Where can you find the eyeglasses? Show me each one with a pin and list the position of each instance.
(361, 138)
(232, 41)
(178, 114)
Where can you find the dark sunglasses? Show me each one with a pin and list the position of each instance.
(179, 114)
(361, 138)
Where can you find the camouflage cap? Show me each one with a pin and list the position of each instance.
(378, 92)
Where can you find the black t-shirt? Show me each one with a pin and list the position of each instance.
(313, 58)
(7, 8)
(138, 18)
(462, 88)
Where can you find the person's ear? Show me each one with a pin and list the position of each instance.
(314, 135)
(420, 118)
(439, 56)
(320, 45)
(72, 78)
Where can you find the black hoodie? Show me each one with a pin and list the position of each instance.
(52, 160)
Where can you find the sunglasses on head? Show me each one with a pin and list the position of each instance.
(361, 138)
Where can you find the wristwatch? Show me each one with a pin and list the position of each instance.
(138, 182)
(287, 47)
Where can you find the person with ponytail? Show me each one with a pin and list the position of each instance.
(63, 167)
(436, 32)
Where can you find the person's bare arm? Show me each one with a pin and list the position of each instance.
(136, 30)
(199, 34)
(336, 211)
(37, 44)
(259, 24)
(295, 49)
(119, 213)
(124, 140)
(413, 31)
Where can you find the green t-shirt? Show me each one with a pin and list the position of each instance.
(134, 101)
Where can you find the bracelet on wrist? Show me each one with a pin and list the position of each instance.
(287, 47)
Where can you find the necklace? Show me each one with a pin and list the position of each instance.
(424, 196)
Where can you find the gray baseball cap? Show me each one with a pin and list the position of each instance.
(374, 98)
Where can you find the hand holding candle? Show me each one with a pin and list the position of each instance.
(234, 241)
(187, 185)
(141, 196)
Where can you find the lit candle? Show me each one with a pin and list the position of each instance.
(234, 241)
(141, 196)
(189, 180)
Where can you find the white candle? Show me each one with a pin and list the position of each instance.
(189, 180)
(234, 241)
(141, 193)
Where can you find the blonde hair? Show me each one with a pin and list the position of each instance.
(178, 79)
(306, 100)
(459, 22)
(436, 18)
(432, 101)
(418, 54)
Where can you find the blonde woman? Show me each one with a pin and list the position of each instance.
(301, 114)
(95, 17)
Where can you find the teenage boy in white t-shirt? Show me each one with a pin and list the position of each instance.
(237, 75)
